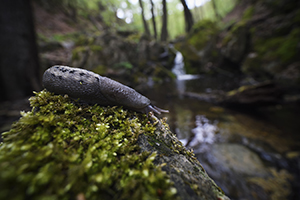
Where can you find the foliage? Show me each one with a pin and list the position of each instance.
(206, 11)
(109, 9)
(64, 150)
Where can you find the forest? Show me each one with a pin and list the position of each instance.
(212, 113)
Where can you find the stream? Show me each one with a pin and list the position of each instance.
(250, 154)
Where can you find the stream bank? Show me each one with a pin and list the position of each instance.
(251, 152)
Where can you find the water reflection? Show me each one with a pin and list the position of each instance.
(204, 134)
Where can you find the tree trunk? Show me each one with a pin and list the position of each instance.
(19, 67)
(189, 21)
(146, 28)
(153, 19)
(215, 9)
(164, 29)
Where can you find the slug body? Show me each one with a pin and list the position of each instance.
(93, 88)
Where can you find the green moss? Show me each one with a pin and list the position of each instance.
(248, 13)
(77, 51)
(100, 69)
(95, 48)
(125, 65)
(134, 38)
(201, 33)
(63, 150)
(69, 36)
(234, 32)
(82, 40)
(160, 72)
(282, 48)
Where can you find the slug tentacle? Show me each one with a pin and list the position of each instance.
(155, 109)
(93, 88)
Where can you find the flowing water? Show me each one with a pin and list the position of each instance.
(250, 154)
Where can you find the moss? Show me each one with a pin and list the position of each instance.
(234, 32)
(82, 40)
(77, 51)
(64, 150)
(160, 72)
(69, 36)
(95, 48)
(135, 38)
(124, 65)
(282, 48)
(100, 69)
(201, 33)
(248, 13)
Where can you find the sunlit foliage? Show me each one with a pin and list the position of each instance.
(121, 14)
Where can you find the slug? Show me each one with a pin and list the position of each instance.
(95, 89)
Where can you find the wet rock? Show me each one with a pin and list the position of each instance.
(237, 158)
(230, 164)
(189, 177)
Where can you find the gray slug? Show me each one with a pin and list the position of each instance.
(93, 88)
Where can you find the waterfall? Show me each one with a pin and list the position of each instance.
(179, 71)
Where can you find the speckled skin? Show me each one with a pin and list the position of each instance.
(93, 88)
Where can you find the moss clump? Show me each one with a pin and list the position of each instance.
(283, 48)
(124, 65)
(248, 13)
(95, 48)
(202, 32)
(61, 150)
(100, 69)
(235, 32)
(78, 51)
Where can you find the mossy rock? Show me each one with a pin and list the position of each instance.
(202, 32)
(283, 49)
(66, 150)
(61, 150)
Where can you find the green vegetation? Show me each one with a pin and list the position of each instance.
(131, 17)
(248, 13)
(282, 48)
(64, 150)
(125, 65)
(202, 32)
(207, 12)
